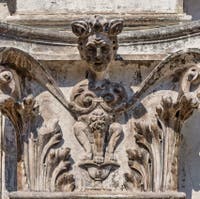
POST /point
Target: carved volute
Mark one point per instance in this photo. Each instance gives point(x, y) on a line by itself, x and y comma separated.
point(97, 133)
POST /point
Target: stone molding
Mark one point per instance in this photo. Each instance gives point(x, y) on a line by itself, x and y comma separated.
point(150, 195)
point(134, 20)
point(134, 45)
point(60, 38)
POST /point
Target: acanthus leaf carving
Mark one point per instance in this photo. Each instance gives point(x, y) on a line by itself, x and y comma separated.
point(52, 161)
point(96, 103)
point(145, 161)
point(156, 156)
point(44, 164)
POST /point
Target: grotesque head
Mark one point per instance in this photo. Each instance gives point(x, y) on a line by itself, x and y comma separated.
point(97, 41)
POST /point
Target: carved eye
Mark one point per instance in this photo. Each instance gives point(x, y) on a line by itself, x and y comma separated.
point(105, 49)
point(91, 49)
point(108, 98)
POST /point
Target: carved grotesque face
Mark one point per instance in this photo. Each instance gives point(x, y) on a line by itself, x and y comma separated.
point(97, 52)
point(97, 41)
point(99, 120)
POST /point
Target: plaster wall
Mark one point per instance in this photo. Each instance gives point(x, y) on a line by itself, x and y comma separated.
point(116, 6)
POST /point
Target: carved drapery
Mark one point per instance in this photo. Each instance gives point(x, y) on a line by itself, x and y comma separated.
point(96, 105)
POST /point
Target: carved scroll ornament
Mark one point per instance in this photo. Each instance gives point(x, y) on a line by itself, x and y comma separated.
point(96, 103)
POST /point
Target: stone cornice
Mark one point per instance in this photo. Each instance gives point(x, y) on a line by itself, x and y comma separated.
point(52, 20)
point(162, 34)
point(46, 36)
point(35, 35)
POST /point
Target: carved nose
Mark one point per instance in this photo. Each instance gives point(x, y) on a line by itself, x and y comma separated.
point(98, 54)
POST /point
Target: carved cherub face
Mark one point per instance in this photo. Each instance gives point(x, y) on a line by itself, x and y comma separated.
point(97, 41)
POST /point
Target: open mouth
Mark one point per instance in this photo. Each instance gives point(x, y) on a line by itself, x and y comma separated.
point(99, 66)
point(98, 63)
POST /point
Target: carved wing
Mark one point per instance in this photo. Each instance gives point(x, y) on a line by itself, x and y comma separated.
point(14, 63)
point(179, 61)
point(24, 64)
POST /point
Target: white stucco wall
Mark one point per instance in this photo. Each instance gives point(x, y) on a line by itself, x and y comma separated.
point(124, 6)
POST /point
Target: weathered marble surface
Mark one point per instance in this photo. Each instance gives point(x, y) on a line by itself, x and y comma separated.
point(154, 44)
point(156, 98)
point(111, 6)
point(58, 14)
point(140, 52)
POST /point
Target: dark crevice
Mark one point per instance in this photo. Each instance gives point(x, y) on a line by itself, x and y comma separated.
point(12, 6)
